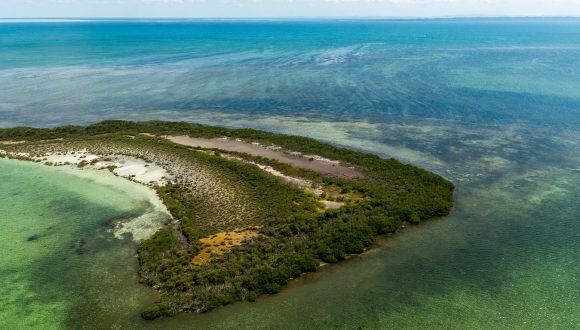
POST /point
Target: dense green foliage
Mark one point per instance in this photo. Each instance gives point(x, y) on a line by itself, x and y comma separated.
point(294, 236)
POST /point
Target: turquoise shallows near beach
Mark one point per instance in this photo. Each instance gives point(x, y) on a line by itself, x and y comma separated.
point(491, 104)
point(61, 265)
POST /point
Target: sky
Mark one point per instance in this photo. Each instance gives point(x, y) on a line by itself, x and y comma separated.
point(285, 8)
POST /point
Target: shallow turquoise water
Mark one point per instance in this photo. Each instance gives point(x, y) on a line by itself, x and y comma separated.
point(493, 105)
point(60, 264)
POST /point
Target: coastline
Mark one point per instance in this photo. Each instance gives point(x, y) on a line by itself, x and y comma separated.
point(491, 105)
point(265, 220)
point(139, 178)
point(69, 241)
point(138, 228)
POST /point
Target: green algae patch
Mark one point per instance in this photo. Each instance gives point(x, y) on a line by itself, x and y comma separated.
point(214, 191)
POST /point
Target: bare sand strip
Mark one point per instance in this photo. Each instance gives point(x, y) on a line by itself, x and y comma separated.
point(310, 162)
point(125, 166)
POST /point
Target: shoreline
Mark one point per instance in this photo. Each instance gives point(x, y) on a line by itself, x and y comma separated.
point(107, 178)
point(138, 171)
point(153, 176)
point(268, 209)
point(139, 228)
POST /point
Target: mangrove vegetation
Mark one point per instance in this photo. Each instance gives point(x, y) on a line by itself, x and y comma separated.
point(239, 231)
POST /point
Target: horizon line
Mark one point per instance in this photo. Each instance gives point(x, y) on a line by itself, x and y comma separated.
point(475, 16)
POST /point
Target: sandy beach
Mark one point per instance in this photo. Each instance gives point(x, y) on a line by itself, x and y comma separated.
point(125, 166)
point(145, 176)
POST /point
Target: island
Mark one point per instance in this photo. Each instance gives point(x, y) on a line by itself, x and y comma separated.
point(251, 210)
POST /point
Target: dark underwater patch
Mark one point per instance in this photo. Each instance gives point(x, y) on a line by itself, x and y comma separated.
point(79, 246)
point(33, 238)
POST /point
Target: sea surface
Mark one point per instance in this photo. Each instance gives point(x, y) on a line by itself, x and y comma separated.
point(491, 104)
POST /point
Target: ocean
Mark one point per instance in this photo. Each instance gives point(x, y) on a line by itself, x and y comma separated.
point(491, 104)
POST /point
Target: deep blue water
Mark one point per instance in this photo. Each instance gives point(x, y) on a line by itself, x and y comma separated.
point(467, 71)
point(494, 105)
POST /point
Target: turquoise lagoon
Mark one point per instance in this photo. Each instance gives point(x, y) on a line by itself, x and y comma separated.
point(61, 264)
point(491, 104)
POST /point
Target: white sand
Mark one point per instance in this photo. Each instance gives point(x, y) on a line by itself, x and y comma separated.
point(141, 171)
point(131, 168)
point(332, 205)
point(125, 166)
point(144, 226)
point(298, 182)
point(141, 227)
